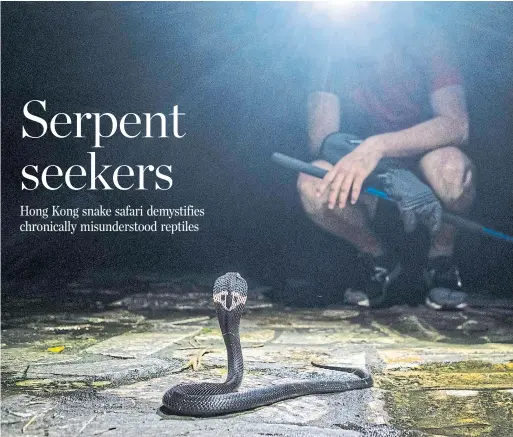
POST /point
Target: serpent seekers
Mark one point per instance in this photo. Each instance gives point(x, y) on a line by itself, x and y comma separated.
point(211, 399)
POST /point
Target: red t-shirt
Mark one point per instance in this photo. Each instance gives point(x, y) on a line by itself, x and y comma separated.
point(392, 94)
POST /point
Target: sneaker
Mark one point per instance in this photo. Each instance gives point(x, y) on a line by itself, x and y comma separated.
point(445, 289)
point(379, 274)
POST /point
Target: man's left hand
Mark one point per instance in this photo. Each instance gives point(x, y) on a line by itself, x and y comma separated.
point(347, 176)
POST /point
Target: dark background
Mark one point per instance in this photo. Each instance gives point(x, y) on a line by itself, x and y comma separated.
point(240, 71)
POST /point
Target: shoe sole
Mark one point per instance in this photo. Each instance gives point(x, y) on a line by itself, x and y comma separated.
point(437, 307)
point(364, 303)
point(356, 299)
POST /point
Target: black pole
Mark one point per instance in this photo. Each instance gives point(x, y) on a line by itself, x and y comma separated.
point(456, 220)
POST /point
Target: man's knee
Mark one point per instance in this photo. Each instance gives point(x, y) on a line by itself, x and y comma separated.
point(451, 175)
point(307, 187)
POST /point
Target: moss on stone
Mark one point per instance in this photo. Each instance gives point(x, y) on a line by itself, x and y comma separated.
point(421, 398)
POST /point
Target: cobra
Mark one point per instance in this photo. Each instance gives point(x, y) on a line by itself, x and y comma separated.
point(211, 399)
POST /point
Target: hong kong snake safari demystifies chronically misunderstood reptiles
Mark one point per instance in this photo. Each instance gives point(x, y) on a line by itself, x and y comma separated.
point(211, 399)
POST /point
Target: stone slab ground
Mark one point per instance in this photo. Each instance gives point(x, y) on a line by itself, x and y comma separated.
point(96, 362)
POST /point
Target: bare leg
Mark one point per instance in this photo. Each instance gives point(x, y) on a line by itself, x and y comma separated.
point(351, 223)
point(451, 175)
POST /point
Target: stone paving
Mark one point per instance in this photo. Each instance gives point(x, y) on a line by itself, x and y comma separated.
point(74, 370)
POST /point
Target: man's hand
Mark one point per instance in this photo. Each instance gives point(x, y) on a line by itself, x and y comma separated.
point(346, 178)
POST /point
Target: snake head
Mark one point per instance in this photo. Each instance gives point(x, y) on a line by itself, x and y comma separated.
point(230, 292)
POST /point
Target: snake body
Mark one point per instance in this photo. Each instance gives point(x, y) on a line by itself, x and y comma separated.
point(212, 399)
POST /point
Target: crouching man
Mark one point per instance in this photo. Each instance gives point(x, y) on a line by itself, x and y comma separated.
point(406, 100)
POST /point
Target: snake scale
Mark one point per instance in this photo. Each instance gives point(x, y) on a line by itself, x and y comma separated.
point(211, 399)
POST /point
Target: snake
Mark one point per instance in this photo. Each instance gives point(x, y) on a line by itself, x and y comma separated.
point(207, 399)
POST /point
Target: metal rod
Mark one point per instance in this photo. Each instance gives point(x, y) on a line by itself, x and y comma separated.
point(460, 222)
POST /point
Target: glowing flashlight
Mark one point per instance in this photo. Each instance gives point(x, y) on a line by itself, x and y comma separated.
point(339, 9)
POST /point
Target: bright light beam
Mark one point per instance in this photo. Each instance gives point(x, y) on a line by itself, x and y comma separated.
point(339, 10)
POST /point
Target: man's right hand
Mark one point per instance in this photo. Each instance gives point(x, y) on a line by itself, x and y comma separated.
point(347, 176)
